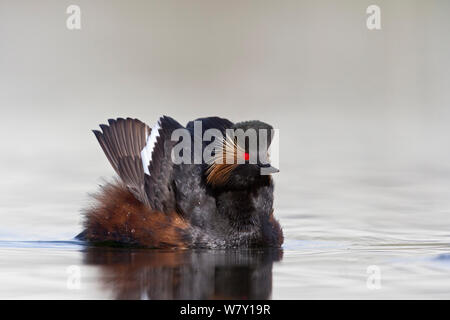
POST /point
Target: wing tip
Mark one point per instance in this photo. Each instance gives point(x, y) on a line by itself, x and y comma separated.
point(98, 134)
point(104, 127)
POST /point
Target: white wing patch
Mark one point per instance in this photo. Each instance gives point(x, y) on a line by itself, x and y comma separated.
point(146, 153)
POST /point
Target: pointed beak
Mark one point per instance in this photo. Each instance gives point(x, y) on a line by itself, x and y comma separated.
point(266, 170)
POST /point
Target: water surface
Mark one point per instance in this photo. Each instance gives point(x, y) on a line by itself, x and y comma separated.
point(339, 230)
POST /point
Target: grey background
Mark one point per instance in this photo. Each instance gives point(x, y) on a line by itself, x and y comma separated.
point(348, 101)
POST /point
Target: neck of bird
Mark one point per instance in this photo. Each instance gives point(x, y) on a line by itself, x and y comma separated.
point(238, 208)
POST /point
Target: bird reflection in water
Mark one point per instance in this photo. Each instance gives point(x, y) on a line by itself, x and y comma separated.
point(185, 274)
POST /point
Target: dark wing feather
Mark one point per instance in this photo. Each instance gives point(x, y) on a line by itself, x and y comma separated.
point(122, 142)
point(159, 184)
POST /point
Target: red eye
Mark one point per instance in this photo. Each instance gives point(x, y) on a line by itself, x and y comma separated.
point(246, 156)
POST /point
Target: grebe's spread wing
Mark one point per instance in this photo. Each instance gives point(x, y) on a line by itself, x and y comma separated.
point(122, 141)
point(158, 165)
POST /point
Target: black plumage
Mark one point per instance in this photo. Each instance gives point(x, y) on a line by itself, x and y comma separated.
point(180, 205)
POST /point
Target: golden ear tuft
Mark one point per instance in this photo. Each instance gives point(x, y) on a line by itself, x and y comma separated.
point(221, 166)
